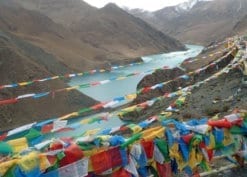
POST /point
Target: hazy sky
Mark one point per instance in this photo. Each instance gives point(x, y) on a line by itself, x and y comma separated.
point(150, 5)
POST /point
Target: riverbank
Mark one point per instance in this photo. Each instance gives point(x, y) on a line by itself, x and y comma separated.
point(197, 104)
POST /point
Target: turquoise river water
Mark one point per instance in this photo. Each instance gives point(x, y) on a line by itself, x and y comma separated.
point(122, 87)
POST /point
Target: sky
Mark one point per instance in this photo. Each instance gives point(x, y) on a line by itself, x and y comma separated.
point(150, 5)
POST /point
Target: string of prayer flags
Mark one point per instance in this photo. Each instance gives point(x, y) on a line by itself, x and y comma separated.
point(187, 151)
point(93, 71)
point(50, 127)
point(92, 84)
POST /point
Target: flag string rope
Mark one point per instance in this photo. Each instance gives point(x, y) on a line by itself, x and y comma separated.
point(97, 83)
point(94, 71)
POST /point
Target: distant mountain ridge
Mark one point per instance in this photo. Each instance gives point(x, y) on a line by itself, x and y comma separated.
point(203, 22)
point(65, 12)
point(188, 5)
point(102, 35)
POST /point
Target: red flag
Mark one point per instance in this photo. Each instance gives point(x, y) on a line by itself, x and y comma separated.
point(121, 173)
point(222, 123)
point(116, 158)
point(9, 101)
point(187, 138)
point(3, 136)
point(101, 162)
point(164, 170)
point(97, 106)
point(149, 148)
point(47, 128)
point(72, 154)
point(146, 89)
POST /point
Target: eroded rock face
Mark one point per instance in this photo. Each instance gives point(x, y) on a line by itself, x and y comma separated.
point(159, 76)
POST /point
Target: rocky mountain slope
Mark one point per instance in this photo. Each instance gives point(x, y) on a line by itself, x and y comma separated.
point(93, 37)
point(204, 22)
point(22, 61)
point(241, 26)
point(51, 37)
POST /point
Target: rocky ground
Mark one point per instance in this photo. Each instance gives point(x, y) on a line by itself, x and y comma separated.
point(226, 91)
point(219, 96)
point(238, 172)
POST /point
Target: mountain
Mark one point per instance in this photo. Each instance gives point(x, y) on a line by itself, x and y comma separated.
point(22, 61)
point(60, 11)
point(99, 36)
point(51, 37)
point(25, 38)
point(241, 26)
point(188, 5)
point(112, 26)
point(55, 37)
point(198, 21)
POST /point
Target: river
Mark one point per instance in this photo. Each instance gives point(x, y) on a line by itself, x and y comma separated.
point(122, 87)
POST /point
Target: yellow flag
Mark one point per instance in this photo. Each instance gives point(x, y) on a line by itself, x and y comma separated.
point(29, 162)
point(102, 70)
point(192, 159)
point(121, 78)
point(104, 137)
point(173, 151)
point(91, 132)
point(195, 158)
point(72, 88)
point(167, 114)
point(73, 114)
point(182, 99)
point(5, 166)
point(55, 77)
point(227, 138)
point(129, 109)
point(150, 130)
point(211, 141)
point(85, 121)
point(135, 128)
point(179, 92)
point(155, 133)
point(18, 145)
point(23, 83)
point(130, 96)
point(180, 161)
point(44, 162)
